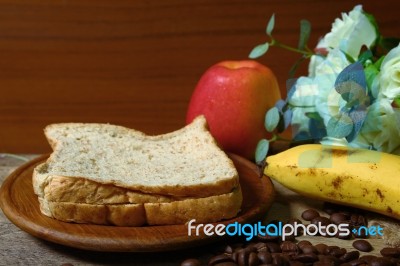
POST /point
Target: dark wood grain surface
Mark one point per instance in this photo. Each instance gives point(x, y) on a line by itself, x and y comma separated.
point(135, 63)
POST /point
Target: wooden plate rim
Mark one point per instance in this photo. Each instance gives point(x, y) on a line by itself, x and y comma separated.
point(89, 240)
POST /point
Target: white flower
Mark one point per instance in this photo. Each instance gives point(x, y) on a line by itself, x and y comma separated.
point(334, 141)
point(302, 101)
point(329, 102)
point(348, 34)
point(389, 77)
point(332, 64)
point(318, 93)
point(381, 127)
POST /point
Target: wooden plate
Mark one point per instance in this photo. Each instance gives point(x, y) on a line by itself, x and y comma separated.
point(21, 206)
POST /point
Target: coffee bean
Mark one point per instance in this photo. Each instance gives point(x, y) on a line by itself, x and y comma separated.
point(295, 263)
point(309, 214)
point(277, 259)
point(228, 250)
point(394, 260)
point(260, 246)
point(338, 217)
point(332, 260)
point(362, 245)
point(273, 247)
point(264, 257)
point(251, 248)
point(381, 262)
point(357, 262)
point(228, 263)
point(243, 257)
point(338, 252)
point(267, 238)
point(321, 220)
point(358, 220)
point(219, 259)
point(329, 249)
point(322, 263)
point(349, 256)
point(321, 248)
point(191, 262)
point(253, 259)
point(269, 251)
point(306, 258)
point(309, 249)
point(368, 258)
point(304, 243)
point(288, 247)
point(390, 252)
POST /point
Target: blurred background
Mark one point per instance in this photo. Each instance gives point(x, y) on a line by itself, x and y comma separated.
point(136, 63)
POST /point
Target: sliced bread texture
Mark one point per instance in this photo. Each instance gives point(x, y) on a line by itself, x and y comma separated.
point(204, 210)
point(107, 174)
point(183, 163)
point(81, 190)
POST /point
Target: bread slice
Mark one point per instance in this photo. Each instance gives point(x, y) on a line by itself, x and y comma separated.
point(184, 163)
point(119, 214)
point(81, 190)
point(204, 210)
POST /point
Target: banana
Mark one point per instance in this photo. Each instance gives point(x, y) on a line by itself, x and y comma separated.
point(356, 177)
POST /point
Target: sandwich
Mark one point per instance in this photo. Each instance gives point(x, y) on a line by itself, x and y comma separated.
point(108, 174)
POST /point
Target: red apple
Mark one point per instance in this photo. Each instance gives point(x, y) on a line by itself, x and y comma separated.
point(234, 97)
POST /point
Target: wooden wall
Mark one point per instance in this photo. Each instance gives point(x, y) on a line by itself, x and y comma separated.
point(135, 63)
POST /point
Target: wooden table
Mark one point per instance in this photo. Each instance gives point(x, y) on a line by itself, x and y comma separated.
point(18, 247)
point(136, 63)
point(133, 63)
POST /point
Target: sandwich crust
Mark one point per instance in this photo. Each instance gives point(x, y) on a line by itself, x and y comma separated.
point(204, 210)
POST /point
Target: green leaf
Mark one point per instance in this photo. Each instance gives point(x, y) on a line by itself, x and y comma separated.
point(339, 126)
point(370, 73)
point(261, 151)
point(396, 102)
point(348, 57)
point(287, 117)
point(295, 66)
point(259, 50)
point(270, 25)
point(379, 62)
point(305, 29)
point(271, 119)
point(314, 115)
point(364, 56)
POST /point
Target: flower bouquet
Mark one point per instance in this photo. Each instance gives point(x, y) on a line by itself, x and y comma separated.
point(351, 95)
